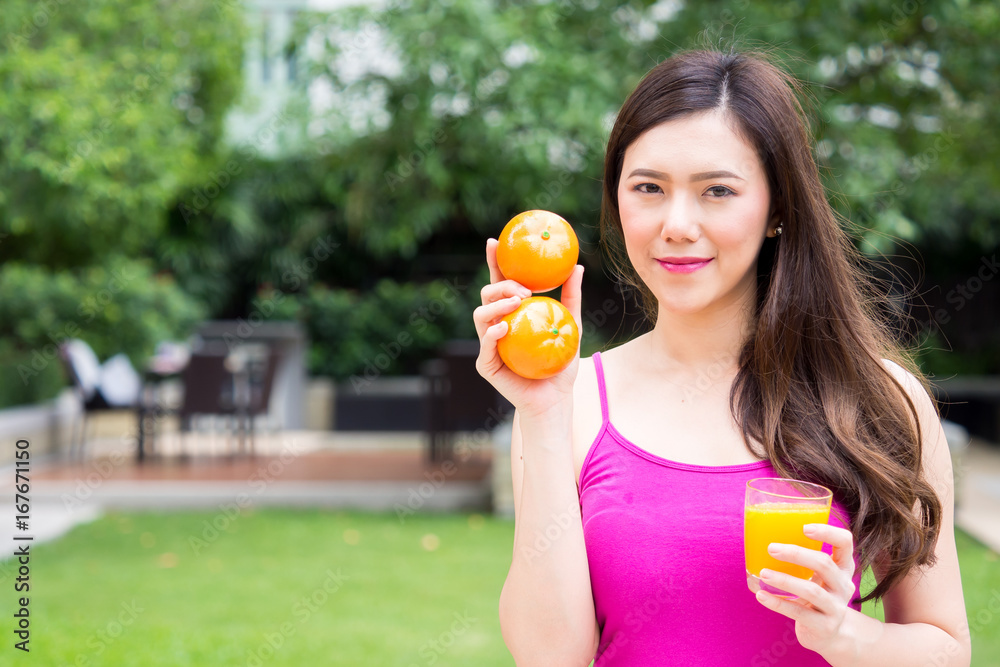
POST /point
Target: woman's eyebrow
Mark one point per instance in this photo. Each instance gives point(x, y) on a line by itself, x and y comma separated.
point(702, 176)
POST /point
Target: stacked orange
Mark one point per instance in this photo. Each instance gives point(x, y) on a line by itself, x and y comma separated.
point(539, 250)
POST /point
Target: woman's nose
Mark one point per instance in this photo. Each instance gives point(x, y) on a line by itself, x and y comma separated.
point(680, 220)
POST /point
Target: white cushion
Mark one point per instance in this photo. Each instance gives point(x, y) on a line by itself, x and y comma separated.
point(85, 365)
point(120, 383)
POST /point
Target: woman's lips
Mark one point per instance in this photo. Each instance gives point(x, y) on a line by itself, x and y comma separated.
point(684, 264)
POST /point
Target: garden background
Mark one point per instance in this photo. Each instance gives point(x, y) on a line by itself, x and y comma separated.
point(342, 165)
point(413, 132)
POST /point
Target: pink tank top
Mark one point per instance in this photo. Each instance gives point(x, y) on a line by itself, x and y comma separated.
point(665, 547)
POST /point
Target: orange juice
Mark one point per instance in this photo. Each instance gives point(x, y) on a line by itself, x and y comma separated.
point(765, 523)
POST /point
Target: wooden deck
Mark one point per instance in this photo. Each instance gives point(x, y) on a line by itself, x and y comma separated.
point(361, 470)
point(297, 455)
point(319, 465)
point(381, 472)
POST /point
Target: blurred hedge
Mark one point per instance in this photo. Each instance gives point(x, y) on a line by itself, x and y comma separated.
point(357, 337)
point(120, 306)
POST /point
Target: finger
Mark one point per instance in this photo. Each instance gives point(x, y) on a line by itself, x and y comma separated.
point(807, 590)
point(572, 294)
point(487, 315)
point(489, 362)
point(491, 260)
point(817, 561)
point(502, 290)
point(840, 586)
point(793, 609)
point(841, 539)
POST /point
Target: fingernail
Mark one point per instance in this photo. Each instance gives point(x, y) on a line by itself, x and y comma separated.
point(773, 549)
point(764, 574)
point(525, 293)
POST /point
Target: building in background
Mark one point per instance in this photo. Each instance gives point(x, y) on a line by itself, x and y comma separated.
point(275, 76)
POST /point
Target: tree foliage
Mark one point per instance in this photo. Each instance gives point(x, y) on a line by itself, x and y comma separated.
point(116, 306)
point(109, 110)
point(484, 104)
point(441, 120)
point(445, 119)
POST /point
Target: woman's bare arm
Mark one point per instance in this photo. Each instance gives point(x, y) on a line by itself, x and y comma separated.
point(925, 617)
point(547, 607)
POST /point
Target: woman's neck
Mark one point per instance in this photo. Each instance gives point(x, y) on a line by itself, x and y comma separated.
point(707, 341)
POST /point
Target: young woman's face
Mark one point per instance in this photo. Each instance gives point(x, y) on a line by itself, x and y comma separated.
point(694, 204)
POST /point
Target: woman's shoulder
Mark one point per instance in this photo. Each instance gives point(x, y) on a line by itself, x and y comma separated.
point(586, 390)
point(915, 387)
point(586, 379)
point(587, 415)
point(928, 418)
point(586, 396)
point(617, 354)
point(899, 372)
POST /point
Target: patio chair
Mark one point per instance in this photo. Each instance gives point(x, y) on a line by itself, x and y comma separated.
point(260, 383)
point(218, 381)
point(459, 399)
point(111, 386)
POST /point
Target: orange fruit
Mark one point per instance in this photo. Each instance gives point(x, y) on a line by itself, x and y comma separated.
point(538, 249)
point(541, 339)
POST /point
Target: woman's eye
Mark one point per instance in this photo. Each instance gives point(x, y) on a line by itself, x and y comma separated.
point(647, 188)
point(720, 191)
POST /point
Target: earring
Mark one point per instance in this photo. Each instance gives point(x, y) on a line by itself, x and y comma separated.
point(777, 230)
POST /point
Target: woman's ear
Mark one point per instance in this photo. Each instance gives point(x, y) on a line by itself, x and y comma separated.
point(773, 222)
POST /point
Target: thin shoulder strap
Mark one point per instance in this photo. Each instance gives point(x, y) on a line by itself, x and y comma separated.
point(601, 389)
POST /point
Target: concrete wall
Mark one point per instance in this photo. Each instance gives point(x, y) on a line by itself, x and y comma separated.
point(320, 402)
point(47, 427)
point(50, 427)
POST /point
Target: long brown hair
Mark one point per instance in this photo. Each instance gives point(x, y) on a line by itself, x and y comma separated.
point(812, 386)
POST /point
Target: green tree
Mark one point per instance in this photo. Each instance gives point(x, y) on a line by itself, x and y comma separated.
point(488, 102)
point(445, 119)
point(110, 110)
point(448, 118)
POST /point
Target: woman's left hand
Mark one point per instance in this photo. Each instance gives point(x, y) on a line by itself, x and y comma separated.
point(822, 607)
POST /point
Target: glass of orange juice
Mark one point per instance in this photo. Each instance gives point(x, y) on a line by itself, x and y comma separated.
point(775, 510)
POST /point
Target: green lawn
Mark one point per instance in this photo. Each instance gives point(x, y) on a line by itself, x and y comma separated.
point(981, 587)
point(322, 588)
point(419, 593)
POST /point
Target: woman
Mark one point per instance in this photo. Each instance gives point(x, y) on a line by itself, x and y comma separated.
point(764, 360)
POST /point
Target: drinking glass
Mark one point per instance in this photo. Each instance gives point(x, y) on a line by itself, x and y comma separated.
point(775, 510)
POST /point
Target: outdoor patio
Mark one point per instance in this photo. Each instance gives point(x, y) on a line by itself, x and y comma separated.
point(376, 471)
point(368, 470)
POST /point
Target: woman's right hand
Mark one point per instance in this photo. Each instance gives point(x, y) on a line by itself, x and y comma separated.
point(503, 296)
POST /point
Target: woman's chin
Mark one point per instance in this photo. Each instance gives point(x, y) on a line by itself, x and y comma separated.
point(682, 307)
